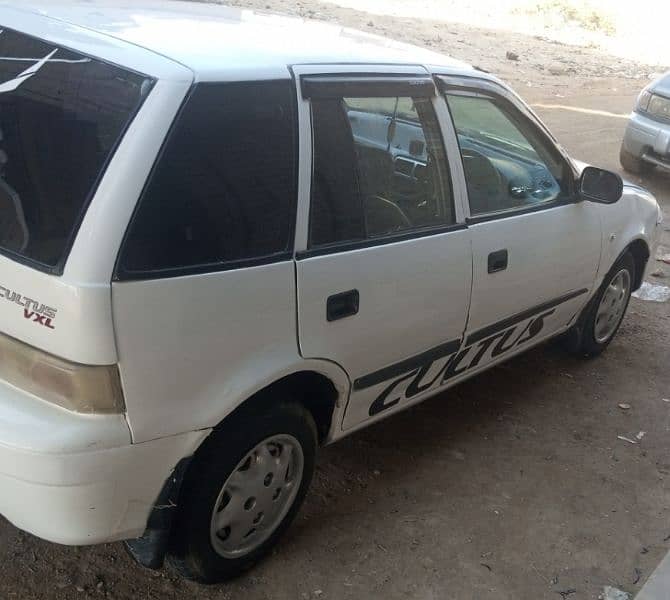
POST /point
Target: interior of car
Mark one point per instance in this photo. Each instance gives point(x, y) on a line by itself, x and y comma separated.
point(503, 169)
point(386, 178)
point(400, 182)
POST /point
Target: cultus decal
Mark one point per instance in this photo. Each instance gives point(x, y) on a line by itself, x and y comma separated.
point(36, 311)
point(438, 371)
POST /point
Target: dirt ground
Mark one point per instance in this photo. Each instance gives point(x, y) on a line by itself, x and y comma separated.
point(510, 486)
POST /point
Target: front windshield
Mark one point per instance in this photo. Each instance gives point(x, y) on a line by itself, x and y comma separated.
point(61, 115)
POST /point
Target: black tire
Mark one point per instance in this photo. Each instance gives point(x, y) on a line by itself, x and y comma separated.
point(633, 164)
point(191, 551)
point(587, 344)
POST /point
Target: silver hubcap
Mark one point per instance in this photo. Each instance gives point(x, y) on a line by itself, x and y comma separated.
point(612, 305)
point(256, 496)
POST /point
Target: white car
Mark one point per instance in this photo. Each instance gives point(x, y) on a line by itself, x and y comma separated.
point(228, 238)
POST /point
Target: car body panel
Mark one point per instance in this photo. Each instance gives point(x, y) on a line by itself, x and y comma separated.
point(403, 289)
point(209, 362)
point(222, 352)
point(447, 367)
point(551, 253)
point(70, 320)
point(97, 485)
point(636, 216)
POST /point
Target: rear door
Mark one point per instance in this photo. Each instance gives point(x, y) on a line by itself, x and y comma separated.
point(535, 248)
point(384, 260)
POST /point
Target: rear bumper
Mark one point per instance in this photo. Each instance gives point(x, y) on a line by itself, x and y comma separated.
point(648, 139)
point(77, 479)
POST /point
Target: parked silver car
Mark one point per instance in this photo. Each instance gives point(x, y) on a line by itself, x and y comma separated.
point(646, 142)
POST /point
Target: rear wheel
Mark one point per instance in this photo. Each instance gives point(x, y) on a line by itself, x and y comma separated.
point(633, 164)
point(607, 309)
point(243, 489)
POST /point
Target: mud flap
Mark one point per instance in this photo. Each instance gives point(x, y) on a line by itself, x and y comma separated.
point(150, 549)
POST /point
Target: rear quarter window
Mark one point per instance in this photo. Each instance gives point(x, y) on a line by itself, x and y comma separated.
point(61, 116)
point(223, 191)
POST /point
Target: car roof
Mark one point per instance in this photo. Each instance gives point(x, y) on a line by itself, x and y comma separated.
point(218, 42)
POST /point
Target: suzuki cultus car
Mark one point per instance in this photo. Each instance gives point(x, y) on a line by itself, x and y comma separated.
point(228, 238)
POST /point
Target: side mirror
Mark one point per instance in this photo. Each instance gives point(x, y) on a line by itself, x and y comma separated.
point(599, 185)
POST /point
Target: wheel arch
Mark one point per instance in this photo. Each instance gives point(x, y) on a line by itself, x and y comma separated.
point(640, 252)
point(321, 387)
point(320, 393)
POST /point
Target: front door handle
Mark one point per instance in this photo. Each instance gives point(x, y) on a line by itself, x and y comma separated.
point(344, 304)
point(497, 261)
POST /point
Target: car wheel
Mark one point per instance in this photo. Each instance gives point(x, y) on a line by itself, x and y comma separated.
point(607, 309)
point(242, 490)
point(633, 164)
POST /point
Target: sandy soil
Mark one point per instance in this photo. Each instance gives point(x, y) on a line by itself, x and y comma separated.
point(511, 486)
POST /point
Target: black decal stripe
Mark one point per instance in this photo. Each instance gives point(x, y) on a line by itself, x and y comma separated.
point(522, 316)
point(407, 365)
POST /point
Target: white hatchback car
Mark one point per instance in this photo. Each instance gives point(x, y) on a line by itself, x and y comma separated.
point(228, 238)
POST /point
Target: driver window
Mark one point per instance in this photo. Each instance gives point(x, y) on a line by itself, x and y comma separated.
point(379, 169)
point(506, 165)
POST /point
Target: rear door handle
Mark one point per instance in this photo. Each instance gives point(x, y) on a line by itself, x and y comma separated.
point(344, 304)
point(497, 261)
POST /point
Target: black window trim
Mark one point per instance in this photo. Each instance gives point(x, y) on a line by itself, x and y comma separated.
point(206, 268)
point(121, 274)
point(479, 87)
point(365, 85)
point(382, 240)
point(516, 212)
point(59, 267)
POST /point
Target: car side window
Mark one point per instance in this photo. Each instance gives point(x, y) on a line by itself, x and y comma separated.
point(507, 166)
point(224, 188)
point(379, 168)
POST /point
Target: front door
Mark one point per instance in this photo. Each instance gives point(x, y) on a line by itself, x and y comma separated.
point(384, 278)
point(535, 250)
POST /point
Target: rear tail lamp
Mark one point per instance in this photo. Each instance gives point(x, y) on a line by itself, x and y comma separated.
point(76, 387)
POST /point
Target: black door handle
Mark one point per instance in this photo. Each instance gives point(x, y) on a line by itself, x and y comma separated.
point(497, 261)
point(342, 305)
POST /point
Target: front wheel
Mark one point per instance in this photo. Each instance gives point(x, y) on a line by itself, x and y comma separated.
point(243, 489)
point(606, 311)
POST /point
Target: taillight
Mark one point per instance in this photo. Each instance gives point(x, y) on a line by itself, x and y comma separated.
point(76, 387)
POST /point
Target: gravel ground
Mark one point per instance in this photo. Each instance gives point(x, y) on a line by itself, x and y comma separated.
point(512, 485)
